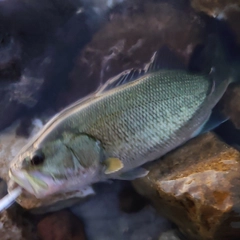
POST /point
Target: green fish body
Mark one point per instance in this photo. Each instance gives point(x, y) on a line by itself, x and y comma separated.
point(142, 120)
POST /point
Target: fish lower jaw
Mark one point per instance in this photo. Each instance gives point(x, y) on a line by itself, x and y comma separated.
point(32, 183)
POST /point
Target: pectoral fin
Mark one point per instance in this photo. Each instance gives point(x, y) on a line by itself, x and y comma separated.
point(133, 174)
point(86, 191)
point(113, 165)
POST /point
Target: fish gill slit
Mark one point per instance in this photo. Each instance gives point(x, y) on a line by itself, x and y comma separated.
point(89, 135)
point(76, 169)
point(93, 138)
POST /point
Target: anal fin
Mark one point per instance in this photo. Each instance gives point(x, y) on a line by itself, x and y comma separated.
point(133, 174)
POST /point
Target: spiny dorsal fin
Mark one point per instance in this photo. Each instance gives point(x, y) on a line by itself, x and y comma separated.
point(121, 79)
point(162, 59)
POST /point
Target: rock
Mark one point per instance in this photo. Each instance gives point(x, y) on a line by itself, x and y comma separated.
point(197, 187)
point(14, 224)
point(96, 11)
point(33, 36)
point(130, 201)
point(10, 72)
point(104, 220)
point(61, 225)
point(217, 8)
point(3, 188)
point(233, 17)
point(126, 41)
point(169, 235)
point(230, 104)
point(10, 144)
point(222, 9)
point(10, 57)
point(9, 228)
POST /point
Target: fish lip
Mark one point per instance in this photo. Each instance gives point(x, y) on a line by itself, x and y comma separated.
point(29, 182)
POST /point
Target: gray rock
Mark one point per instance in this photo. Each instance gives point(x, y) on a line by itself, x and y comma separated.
point(169, 235)
point(104, 220)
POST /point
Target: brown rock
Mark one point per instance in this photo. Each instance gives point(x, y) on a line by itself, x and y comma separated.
point(197, 187)
point(222, 9)
point(129, 40)
point(130, 201)
point(62, 225)
point(233, 18)
point(215, 8)
point(230, 104)
point(8, 228)
point(15, 225)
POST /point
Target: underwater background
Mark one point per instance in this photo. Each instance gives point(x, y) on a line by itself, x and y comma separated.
point(54, 52)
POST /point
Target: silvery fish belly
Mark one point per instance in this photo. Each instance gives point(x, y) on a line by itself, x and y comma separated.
point(109, 134)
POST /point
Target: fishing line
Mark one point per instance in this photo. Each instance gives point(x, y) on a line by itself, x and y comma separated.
point(10, 198)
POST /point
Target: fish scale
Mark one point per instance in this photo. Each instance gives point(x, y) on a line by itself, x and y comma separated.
point(133, 121)
point(135, 117)
point(146, 115)
point(112, 132)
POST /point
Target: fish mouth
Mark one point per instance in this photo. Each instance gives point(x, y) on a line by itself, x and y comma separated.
point(31, 182)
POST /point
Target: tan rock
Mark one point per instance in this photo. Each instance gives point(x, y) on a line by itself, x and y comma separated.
point(14, 225)
point(8, 228)
point(14, 222)
point(197, 187)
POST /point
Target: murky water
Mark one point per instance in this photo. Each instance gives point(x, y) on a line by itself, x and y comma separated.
point(53, 53)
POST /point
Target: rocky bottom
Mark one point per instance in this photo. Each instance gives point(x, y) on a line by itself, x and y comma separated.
point(115, 212)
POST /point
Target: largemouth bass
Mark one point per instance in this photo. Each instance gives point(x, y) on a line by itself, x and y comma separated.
point(110, 134)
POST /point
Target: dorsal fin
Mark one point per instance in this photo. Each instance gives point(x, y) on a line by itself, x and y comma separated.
point(121, 79)
point(162, 59)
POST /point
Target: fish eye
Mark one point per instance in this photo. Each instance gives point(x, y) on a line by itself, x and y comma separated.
point(37, 159)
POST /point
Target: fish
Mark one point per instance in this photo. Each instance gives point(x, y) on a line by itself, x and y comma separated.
point(133, 119)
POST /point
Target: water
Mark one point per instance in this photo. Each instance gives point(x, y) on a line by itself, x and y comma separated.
point(55, 52)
